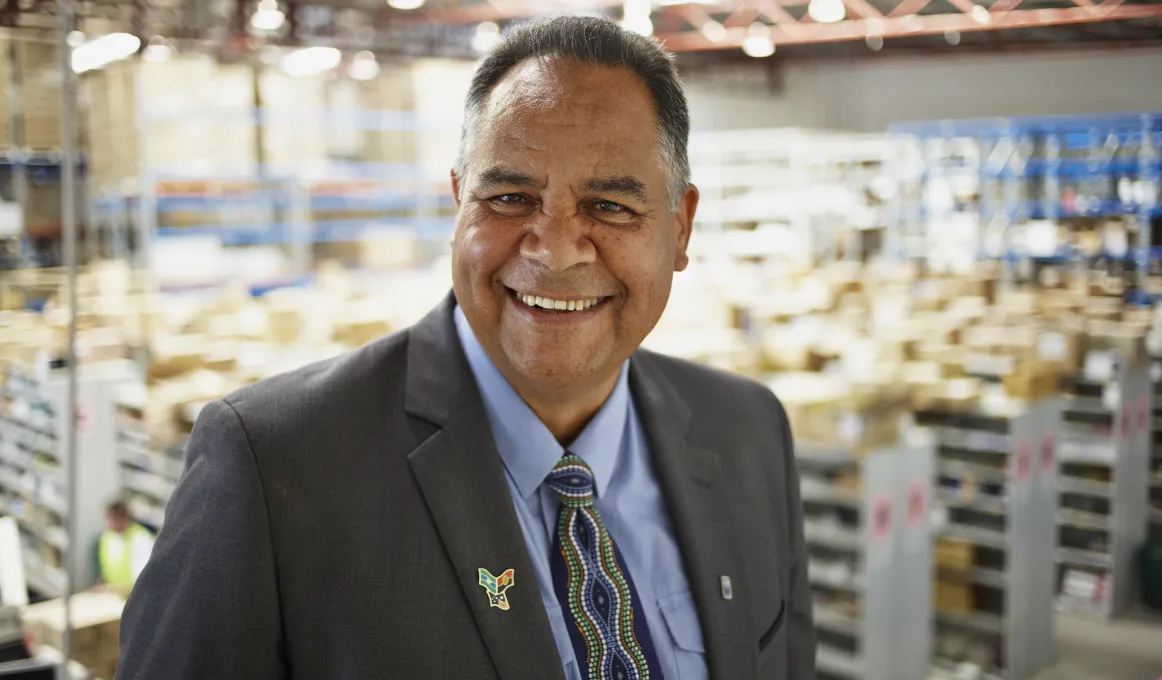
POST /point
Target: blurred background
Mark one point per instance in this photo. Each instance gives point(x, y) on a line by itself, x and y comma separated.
point(932, 226)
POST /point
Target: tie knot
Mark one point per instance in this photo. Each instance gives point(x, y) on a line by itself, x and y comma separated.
point(572, 481)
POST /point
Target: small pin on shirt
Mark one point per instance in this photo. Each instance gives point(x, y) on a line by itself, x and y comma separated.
point(727, 588)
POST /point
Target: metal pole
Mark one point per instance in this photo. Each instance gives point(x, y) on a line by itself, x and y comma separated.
point(19, 169)
point(69, 226)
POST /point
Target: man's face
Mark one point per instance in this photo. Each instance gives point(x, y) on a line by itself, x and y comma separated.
point(115, 522)
point(565, 200)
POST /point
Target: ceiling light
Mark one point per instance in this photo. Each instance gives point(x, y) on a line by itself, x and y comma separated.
point(980, 14)
point(487, 37)
point(639, 24)
point(714, 31)
point(952, 36)
point(311, 60)
point(875, 43)
point(635, 16)
point(157, 50)
point(75, 38)
point(405, 4)
point(364, 66)
point(758, 43)
point(267, 16)
point(826, 11)
point(100, 52)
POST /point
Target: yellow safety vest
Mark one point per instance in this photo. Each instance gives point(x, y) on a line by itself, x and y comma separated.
point(116, 555)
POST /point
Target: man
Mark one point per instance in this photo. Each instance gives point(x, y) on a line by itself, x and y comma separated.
point(123, 549)
point(510, 489)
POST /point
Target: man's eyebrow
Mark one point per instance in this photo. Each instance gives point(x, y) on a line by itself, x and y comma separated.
point(625, 185)
point(498, 176)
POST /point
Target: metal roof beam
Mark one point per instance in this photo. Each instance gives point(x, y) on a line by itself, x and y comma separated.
point(904, 26)
point(908, 8)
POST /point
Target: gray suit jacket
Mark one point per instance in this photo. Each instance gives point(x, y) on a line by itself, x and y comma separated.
point(330, 523)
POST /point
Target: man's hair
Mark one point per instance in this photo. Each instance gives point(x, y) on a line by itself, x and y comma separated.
point(599, 42)
point(118, 509)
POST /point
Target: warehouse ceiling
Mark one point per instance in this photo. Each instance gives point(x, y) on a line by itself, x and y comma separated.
point(704, 34)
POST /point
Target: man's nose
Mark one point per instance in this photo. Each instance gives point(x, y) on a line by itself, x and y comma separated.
point(558, 239)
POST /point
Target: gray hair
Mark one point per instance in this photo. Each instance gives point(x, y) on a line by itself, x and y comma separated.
point(600, 42)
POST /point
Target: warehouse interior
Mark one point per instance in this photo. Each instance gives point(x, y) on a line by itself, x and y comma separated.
point(932, 227)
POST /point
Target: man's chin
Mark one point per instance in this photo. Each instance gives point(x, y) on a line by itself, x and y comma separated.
point(553, 369)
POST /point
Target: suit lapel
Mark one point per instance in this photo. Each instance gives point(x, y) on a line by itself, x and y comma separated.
point(463, 482)
point(698, 503)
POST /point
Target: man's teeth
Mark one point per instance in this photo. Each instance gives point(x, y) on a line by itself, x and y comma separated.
point(559, 305)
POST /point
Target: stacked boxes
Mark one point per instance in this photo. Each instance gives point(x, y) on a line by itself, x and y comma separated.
point(33, 66)
point(189, 110)
point(96, 619)
point(954, 560)
point(39, 68)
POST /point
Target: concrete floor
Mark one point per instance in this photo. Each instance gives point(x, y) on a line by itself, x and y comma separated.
point(1128, 648)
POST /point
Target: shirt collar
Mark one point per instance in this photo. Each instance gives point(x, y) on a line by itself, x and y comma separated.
point(527, 448)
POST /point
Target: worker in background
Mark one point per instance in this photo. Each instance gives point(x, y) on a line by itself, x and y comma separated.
point(123, 550)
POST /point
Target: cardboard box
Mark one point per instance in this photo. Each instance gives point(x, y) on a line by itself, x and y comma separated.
point(958, 395)
point(954, 553)
point(831, 411)
point(1125, 339)
point(953, 597)
point(1032, 382)
point(96, 629)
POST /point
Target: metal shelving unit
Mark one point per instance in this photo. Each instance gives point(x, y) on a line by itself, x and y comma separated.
point(996, 482)
point(786, 193)
point(1104, 490)
point(303, 176)
point(977, 180)
point(1155, 499)
point(33, 458)
point(870, 557)
point(147, 475)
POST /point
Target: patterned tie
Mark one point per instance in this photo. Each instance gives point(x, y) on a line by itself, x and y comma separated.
point(601, 607)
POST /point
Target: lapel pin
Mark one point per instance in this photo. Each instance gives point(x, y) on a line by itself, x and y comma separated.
point(727, 588)
point(496, 586)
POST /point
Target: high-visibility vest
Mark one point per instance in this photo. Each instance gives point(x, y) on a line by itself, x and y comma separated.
point(116, 555)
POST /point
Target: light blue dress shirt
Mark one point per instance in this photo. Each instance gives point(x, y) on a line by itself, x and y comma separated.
point(629, 500)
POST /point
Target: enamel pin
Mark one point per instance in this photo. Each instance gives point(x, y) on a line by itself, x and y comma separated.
point(496, 587)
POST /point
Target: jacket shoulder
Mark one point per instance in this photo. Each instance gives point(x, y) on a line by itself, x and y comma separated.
point(331, 384)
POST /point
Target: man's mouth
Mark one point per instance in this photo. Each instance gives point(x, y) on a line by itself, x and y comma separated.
point(555, 304)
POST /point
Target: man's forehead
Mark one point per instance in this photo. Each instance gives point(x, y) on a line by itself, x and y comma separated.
point(554, 84)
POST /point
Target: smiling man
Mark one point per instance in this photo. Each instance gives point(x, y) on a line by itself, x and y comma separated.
point(510, 489)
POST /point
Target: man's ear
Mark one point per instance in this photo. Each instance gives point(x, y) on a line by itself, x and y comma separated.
point(456, 187)
point(684, 221)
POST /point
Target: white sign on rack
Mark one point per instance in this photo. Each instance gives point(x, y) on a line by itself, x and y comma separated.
point(13, 589)
point(11, 219)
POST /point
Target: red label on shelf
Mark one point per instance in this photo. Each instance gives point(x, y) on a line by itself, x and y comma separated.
point(84, 420)
point(917, 503)
point(1023, 456)
point(1047, 453)
point(882, 518)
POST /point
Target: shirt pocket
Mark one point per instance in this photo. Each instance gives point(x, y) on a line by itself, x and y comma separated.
point(564, 642)
point(685, 635)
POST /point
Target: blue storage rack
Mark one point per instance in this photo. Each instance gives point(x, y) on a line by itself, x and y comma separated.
point(1043, 164)
point(281, 212)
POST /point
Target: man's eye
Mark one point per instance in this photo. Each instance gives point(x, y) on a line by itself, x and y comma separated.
point(509, 199)
point(609, 207)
